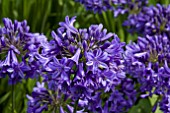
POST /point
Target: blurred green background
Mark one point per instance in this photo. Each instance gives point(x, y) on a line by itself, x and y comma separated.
point(43, 16)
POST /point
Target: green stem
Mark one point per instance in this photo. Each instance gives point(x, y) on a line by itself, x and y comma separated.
point(55, 110)
point(13, 96)
point(75, 106)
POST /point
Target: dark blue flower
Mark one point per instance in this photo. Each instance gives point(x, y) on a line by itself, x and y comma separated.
point(43, 99)
point(97, 6)
point(58, 73)
point(96, 59)
point(16, 44)
point(39, 100)
point(82, 61)
point(116, 100)
point(148, 62)
point(60, 68)
point(128, 6)
point(150, 20)
point(165, 103)
point(117, 6)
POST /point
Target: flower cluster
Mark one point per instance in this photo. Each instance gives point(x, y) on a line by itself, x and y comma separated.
point(17, 45)
point(85, 64)
point(39, 100)
point(128, 6)
point(117, 6)
point(148, 62)
point(86, 67)
point(117, 100)
point(97, 6)
point(150, 20)
point(84, 51)
point(42, 100)
point(87, 70)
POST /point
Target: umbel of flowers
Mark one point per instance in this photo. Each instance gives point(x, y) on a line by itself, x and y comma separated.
point(17, 48)
point(117, 6)
point(148, 61)
point(150, 21)
point(83, 68)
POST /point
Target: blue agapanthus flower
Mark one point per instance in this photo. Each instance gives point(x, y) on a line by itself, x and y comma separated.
point(80, 47)
point(128, 6)
point(42, 99)
point(148, 62)
point(116, 101)
point(150, 20)
point(96, 60)
point(96, 5)
point(84, 62)
point(16, 46)
point(59, 72)
point(117, 6)
point(39, 100)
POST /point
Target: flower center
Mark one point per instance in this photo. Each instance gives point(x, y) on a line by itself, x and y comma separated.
point(153, 56)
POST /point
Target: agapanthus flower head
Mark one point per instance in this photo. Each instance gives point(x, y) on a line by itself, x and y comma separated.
point(128, 6)
point(148, 62)
point(85, 48)
point(39, 100)
point(97, 6)
point(15, 46)
point(83, 62)
point(43, 99)
point(150, 20)
point(117, 6)
point(117, 101)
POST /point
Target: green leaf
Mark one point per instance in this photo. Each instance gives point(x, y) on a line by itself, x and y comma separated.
point(154, 99)
point(5, 97)
point(105, 19)
point(143, 106)
point(153, 2)
point(167, 2)
point(158, 110)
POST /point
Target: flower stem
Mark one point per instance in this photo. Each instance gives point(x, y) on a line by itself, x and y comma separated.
point(75, 105)
point(13, 96)
point(55, 110)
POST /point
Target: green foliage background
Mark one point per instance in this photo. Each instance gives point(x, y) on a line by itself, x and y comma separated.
point(43, 16)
